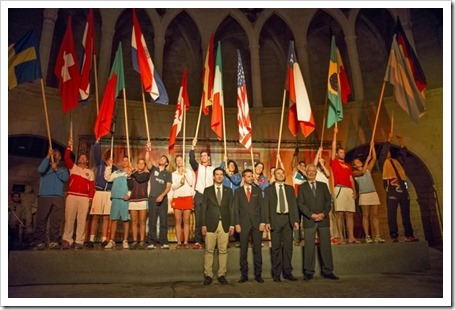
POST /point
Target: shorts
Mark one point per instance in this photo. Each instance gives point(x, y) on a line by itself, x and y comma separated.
point(138, 205)
point(344, 201)
point(101, 204)
point(369, 199)
point(183, 203)
point(119, 210)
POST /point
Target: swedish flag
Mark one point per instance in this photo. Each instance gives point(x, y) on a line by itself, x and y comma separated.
point(23, 60)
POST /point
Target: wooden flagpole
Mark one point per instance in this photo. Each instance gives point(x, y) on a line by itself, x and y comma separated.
point(96, 85)
point(71, 126)
point(46, 116)
point(198, 121)
point(252, 156)
point(324, 120)
point(224, 125)
point(145, 115)
point(126, 125)
point(281, 125)
point(377, 112)
point(184, 131)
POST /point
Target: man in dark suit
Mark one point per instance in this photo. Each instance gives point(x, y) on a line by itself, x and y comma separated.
point(249, 220)
point(281, 217)
point(315, 201)
point(217, 225)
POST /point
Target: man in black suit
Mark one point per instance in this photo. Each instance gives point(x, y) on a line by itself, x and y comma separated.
point(315, 201)
point(217, 225)
point(249, 220)
point(281, 217)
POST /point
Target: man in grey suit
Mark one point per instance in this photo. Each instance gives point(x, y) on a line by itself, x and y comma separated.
point(281, 217)
point(249, 220)
point(315, 201)
point(217, 225)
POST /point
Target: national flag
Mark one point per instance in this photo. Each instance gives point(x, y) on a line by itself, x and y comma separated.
point(207, 78)
point(143, 64)
point(300, 113)
point(114, 85)
point(23, 60)
point(344, 81)
point(218, 98)
point(406, 90)
point(182, 101)
point(88, 44)
point(67, 70)
point(243, 109)
point(335, 108)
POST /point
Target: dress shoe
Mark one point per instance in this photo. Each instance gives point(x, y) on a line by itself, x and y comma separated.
point(276, 280)
point(330, 276)
point(207, 280)
point(259, 279)
point(222, 280)
point(290, 277)
point(307, 276)
point(243, 279)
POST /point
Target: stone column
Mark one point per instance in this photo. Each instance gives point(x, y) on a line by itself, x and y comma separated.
point(107, 31)
point(47, 34)
point(159, 52)
point(355, 67)
point(256, 75)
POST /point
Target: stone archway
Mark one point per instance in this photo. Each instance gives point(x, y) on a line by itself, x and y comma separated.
point(421, 190)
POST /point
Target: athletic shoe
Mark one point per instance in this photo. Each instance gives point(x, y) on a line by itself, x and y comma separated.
point(411, 239)
point(134, 245)
point(54, 245)
point(125, 245)
point(110, 245)
point(368, 239)
point(104, 243)
point(66, 245)
point(142, 245)
point(378, 239)
point(78, 246)
point(197, 246)
point(165, 247)
point(90, 244)
point(151, 247)
point(39, 247)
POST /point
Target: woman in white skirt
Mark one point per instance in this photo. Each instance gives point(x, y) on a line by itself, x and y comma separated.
point(138, 203)
point(182, 200)
point(368, 197)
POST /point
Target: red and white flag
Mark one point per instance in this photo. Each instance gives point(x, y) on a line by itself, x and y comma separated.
point(89, 50)
point(182, 101)
point(67, 71)
point(243, 109)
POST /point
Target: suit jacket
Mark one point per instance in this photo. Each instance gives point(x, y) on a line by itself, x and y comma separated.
point(211, 210)
point(271, 203)
point(248, 214)
point(310, 204)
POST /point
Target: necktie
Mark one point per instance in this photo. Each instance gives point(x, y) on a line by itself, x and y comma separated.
point(248, 193)
point(281, 199)
point(218, 195)
point(313, 188)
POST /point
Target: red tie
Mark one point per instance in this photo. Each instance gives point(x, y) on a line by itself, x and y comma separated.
point(248, 193)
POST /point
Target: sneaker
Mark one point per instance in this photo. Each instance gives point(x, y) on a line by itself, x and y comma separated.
point(296, 243)
point(395, 239)
point(134, 245)
point(142, 245)
point(151, 247)
point(411, 239)
point(378, 239)
point(66, 245)
point(368, 239)
point(78, 246)
point(237, 244)
point(262, 245)
point(90, 244)
point(165, 247)
point(125, 245)
point(39, 247)
point(197, 246)
point(54, 245)
point(110, 245)
point(104, 243)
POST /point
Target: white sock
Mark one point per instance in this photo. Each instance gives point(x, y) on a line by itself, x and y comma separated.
point(92, 238)
point(103, 239)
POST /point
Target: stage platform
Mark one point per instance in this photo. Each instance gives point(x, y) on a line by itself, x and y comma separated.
point(97, 265)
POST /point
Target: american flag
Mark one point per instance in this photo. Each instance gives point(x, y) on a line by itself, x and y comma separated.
point(243, 114)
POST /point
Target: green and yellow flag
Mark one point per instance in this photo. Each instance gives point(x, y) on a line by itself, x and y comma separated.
point(335, 109)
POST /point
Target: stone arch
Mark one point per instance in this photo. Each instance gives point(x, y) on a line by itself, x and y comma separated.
point(422, 193)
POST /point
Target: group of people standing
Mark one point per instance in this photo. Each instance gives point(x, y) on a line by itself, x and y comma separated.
point(224, 202)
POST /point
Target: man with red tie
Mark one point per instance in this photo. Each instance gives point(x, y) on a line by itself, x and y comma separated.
point(249, 220)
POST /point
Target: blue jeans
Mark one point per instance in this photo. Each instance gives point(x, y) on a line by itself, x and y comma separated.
point(157, 210)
